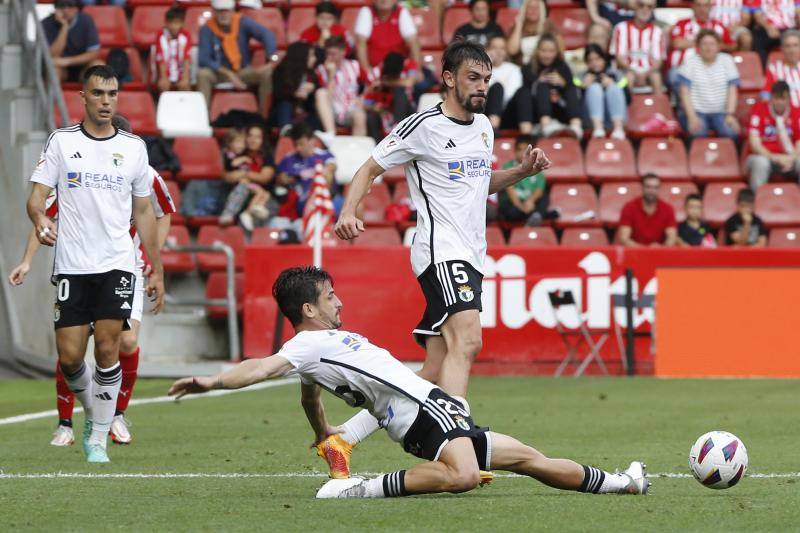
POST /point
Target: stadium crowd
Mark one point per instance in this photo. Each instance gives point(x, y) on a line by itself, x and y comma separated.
point(656, 129)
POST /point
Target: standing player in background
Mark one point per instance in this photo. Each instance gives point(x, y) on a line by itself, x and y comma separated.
point(101, 176)
point(447, 153)
point(129, 341)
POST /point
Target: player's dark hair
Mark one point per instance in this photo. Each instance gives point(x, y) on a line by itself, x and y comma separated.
point(650, 176)
point(393, 64)
point(693, 196)
point(526, 139)
point(121, 123)
point(104, 72)
point(300, 130)
point(327, 7)
point(745, 195)
point(175, 13)
point(461, 51)
point(297, 286)
point(780, 88)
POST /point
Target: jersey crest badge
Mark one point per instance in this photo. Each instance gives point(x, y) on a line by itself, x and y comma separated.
point(485, 139)
point(461, 422)
point(466, 293)
point(117, 159)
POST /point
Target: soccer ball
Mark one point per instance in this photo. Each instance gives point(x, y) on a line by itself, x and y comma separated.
point(718, 460)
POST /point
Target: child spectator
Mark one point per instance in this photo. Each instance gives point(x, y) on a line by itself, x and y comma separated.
point(508, 103)
point(604, 96)
point(526, 199)
point(481, 28)
point(388, 98)
point(694, 231)
point(342, 77)
point(639, 48)
point(648, 220)
point(172, 57)
point(238, 171)
point(745, 228)
point(326, 25)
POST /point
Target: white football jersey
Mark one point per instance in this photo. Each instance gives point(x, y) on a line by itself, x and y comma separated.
point(362, 374)
point(448, 165)
point(94, 180)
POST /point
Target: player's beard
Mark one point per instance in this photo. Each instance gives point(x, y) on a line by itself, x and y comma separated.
point(467, 103)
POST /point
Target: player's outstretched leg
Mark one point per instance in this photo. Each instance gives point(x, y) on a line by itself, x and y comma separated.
point(511, 455)
point(65, 404)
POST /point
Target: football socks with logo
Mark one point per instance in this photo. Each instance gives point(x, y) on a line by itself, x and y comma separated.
point(130, 365)
point(386, 486)
point(599, 482)
point(106, 389)
point(65, 400)
point(359, 427)
point(80, 383)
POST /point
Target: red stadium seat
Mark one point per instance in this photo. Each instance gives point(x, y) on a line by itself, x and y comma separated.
point(743, 106)
point(719, 202)
point(665, 158)
point(454, 17)
point(200, 157)
point(375, 204)
point(432, 59)
point(610, 160)
point(138, 107)
point(233, 236)
point(540, 236)
point(146, 24)
point(300, 18)
point(577, 203)
point(222, 102)
point(713, 160)
point(572, 23)
point(503, 152)
point(675, 195)
point(265, 237)
point(75, 108)
point(112, 27)
point(427, 24)
point(196, 16)
point(584, 237)
point(567, 158)
point(272, 19)
point(135, 69)
point(175, 193)
point(613, 196)
point(505, 18)
point(138, 4)
point(778, 204)
point(651, 115)
point(784, 238)
point(378, 237)
point(177, 262)
point(750, 71)
point(217, 287)
point(494, 236)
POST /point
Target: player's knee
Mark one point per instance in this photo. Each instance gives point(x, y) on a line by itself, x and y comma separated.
point(465, 479)
point(128, 344)
point(469, 346)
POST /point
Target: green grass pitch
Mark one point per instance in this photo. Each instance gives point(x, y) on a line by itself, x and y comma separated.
point(604, 422)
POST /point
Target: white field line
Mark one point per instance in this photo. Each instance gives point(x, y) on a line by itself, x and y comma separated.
point(158, 399)
point(234, 475)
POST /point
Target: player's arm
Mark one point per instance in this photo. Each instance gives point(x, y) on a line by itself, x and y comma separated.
point(17, 275)
point(315, 412)
point(244, 374)
point(533, 162)
point(348, 226)
point(44, 227)
point(145, 221)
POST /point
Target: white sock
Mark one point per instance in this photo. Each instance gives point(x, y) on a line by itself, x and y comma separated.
point(359, 427)
point(80, 383)
point(601, 482)
point(106, 390)
point(613, 483)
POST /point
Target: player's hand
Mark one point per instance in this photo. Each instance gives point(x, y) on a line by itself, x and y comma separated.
point(348, 227)
point(185, 386)
point(46, 231)
point(147, 270)
point(17, 275)
point(155, 290)
point(329, 430)
point(534, 161)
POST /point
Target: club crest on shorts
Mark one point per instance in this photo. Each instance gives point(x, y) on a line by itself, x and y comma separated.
point(117, 159)
point(466, 293)
point(56, 313)
point(124, 287)
point(461, 422)
point(485, 139)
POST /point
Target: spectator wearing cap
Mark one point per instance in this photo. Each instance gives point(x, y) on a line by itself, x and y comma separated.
point(326, 25)
point(481, 28)
point(774, 136)
point(224, 52)
point(648, 220)
point(72, 36)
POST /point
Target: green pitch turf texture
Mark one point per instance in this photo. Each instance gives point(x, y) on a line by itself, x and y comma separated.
point(603, 422)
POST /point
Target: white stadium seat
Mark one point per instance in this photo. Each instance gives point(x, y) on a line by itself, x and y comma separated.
point(183, 114)
point(350, 152)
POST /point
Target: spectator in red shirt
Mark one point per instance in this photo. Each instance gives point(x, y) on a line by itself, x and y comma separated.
point(172, 53)
point(639, 47)
point(388, 97)
point(770, 18)
point(774, 135)
point(385, 27)
point(648, 221)
point(326, 24)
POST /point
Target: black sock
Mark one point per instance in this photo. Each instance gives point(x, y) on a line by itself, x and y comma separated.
point(592, 479)
point(394, 484)
point(118, 412)
point(65, 422)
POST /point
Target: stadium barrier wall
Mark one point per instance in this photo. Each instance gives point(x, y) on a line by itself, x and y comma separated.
point(734, 322)
point(382, 299)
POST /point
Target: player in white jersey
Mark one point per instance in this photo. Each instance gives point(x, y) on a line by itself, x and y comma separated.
point(414, 412)
point(163, 207)
point(101, 178)
point(447, 155)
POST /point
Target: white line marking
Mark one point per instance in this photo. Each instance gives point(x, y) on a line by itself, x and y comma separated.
point(313, 474)
point(157, 399)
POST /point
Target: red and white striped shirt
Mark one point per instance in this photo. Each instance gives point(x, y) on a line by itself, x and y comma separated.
point(642, 46)
point(780, 71)
point(173, 52)
point(688, 29)
point(779, 13)
point(728, 12)
point(345, 87)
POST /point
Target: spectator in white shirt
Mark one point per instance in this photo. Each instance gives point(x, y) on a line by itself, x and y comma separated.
point(509, 102)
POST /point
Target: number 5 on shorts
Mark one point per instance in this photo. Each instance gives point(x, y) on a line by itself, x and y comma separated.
point(63, 290)
point(459, 275)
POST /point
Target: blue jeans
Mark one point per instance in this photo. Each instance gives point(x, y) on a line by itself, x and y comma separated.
point(605, 104)
point(710, 121)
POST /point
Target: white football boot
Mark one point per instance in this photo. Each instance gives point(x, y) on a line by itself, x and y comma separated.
point(637, 472)
point(119, 430)
point(63, 436)
point(352, 487)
